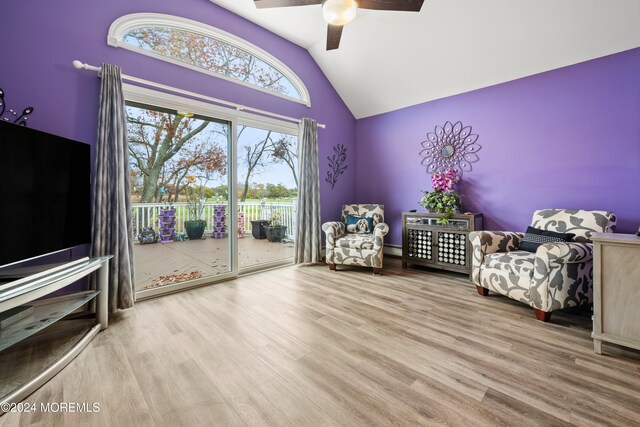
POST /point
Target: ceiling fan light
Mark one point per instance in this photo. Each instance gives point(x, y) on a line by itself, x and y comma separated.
point(339, 12)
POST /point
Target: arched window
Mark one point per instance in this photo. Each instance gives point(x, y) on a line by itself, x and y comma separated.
point(203, 48)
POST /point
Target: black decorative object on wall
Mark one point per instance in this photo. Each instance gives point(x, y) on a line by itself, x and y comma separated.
point(11, 115)
point(451, 146)
point(337, 164)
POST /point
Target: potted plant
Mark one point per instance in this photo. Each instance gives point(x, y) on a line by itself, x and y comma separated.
point(257, 228)
point(443, 199)
point(275, 231)
point(257, 225)
point(195, 225)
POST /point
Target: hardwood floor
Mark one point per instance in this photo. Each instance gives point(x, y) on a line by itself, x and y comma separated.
point(308, 346)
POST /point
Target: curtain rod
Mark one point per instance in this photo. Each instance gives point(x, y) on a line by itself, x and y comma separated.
point(82, 66)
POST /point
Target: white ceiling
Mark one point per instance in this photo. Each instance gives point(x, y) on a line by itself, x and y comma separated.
point(390, 60)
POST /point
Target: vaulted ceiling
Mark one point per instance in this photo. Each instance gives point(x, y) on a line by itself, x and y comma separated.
point(390, 60)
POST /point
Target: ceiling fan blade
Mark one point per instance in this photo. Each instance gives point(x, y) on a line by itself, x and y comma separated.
point(402, 5)
point(263, 4)
point(334, 32)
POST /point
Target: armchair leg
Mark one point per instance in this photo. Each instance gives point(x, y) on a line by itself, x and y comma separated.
point(482, 291)
point(377, 270)
point(332, 267)
point(543, 316)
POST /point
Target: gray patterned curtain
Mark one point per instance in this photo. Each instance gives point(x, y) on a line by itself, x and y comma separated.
point(308, 228)
point(112, 228)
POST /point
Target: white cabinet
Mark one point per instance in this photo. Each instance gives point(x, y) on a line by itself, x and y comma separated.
point(616, 290)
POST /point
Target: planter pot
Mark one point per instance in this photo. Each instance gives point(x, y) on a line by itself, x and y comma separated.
point(276, 233)
point(257, 228)
point(195, 229)
point(167, 224)
point(219, 222)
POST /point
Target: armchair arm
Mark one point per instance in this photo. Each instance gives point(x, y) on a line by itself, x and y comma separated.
point(566, 252)
point(562, 275)
point(381, 229)
point(487, 242)
point(495, 241)
point(333, 230)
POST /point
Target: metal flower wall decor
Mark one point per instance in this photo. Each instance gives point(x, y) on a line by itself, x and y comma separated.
point(12, 116)
point(337, 164)
point(451, 146)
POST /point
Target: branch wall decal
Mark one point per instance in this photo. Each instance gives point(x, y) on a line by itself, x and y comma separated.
point(337, 164)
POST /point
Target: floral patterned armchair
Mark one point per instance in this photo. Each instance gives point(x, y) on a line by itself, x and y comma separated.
point(556, 276)
point(363, 249)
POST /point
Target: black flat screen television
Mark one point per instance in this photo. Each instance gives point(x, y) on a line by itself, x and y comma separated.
point(44, 193)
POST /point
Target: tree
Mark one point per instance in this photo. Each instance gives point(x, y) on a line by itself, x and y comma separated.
point(277, 191)
point(285, 150)
point(165, 148)
point(253, 159)
point(208, 53)
point(221, 191)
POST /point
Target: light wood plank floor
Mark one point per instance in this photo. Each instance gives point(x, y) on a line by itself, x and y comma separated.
point(306, 346)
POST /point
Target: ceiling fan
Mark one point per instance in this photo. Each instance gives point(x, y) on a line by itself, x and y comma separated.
point(338, 13)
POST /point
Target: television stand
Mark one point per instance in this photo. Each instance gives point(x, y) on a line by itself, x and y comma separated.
point(15, 273)
point(47, 311)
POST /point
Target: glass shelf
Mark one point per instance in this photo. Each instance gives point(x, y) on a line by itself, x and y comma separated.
point(46, 312)
point(28, 358)
point(42, 284)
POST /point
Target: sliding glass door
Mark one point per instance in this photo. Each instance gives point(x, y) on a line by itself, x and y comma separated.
point(213, 190)
point(267, 192)
point(182, 196)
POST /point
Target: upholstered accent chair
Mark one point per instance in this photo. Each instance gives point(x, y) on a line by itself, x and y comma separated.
point(349, 248)
point(556, 276)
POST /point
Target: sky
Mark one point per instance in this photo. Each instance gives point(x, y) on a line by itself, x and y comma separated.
point(272, 173)
point(275, 173)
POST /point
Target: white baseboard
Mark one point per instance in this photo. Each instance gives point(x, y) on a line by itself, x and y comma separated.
point(393, 250)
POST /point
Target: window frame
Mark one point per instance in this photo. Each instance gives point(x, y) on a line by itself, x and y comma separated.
point(126, 23)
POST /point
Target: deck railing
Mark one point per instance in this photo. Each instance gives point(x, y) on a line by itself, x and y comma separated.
point(146, 214)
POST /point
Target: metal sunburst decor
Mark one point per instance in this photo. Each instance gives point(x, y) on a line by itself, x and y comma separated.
point(13, 115)
point(451, 146)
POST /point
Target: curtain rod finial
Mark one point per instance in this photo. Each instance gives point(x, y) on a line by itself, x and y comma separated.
point(79, 65)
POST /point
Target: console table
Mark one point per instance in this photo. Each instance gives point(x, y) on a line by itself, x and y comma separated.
point(443, 246)
point(616, 290)
point(33, 290)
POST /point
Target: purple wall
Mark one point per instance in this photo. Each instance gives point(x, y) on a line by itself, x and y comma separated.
point(568, 138)
point(565, 138)
point(41, 38)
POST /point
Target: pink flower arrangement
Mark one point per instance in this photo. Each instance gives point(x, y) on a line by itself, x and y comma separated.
point(445, 181)
point(443, 199)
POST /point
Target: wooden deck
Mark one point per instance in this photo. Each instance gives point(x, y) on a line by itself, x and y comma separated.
point(208, 256)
